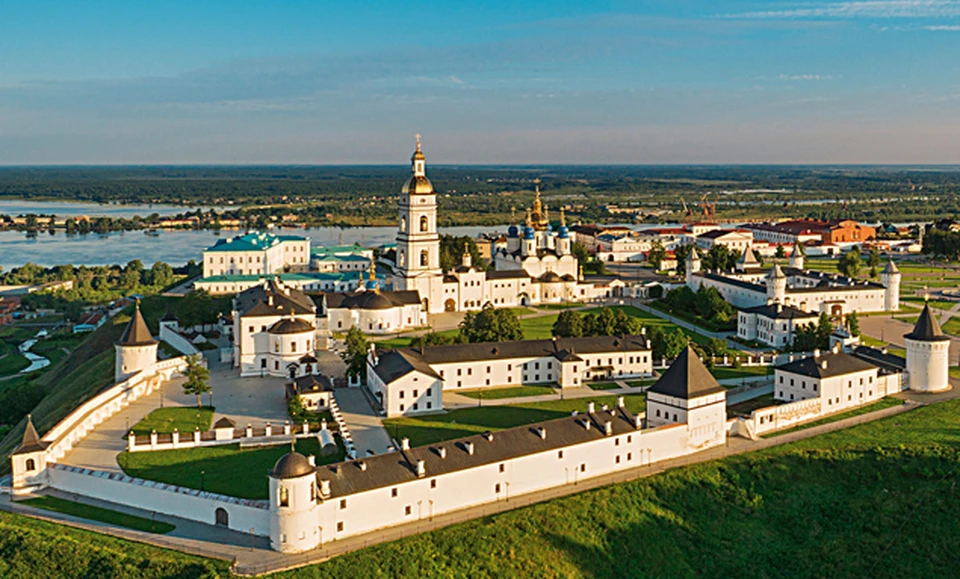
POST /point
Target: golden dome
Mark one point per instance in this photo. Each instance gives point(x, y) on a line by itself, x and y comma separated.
point(418, 185)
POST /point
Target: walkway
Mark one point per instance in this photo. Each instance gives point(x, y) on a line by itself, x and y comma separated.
point(261, 560)
point(365, 427)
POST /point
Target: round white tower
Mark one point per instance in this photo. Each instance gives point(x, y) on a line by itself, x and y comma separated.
point(928, 355)
point(136, 350)
point(294, 525)
point(796, 256)
point(890, 278)
point(777, 284)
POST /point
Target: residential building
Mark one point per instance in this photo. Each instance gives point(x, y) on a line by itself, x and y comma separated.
point(256, 253)
point(773, 324)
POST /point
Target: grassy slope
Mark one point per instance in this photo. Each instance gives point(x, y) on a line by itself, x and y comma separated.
point(854, 503)
point(92, 513)
point(467, 421)
point(32, 549)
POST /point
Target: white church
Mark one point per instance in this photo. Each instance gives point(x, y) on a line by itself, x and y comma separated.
point(536, 267)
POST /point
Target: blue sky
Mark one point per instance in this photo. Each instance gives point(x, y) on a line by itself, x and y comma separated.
point(682, 81)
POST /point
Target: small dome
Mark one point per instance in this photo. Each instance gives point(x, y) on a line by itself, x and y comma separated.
point(418, 185)
point(290, 326)
point(375, 302)
point(550, 277)
point(292, 465)
point(564, 232)
point(568, 277)
point(371, 284)
point(513, 231)
point(528, 233)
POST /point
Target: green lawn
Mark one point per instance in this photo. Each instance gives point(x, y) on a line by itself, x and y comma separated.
point(650, 320)
point(226, 470)
point(878, 405)
point(467, 421)
point(952, 326)
point(183, 418)
point(508, 392)
point(641, 383)
point(92, 513)
point(742, 372)
point(11, 361)
point(522, 311)
point(33, 548)
point(602, 385)
point(566, 306)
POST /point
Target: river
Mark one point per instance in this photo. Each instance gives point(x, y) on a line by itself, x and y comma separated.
point(17, 207)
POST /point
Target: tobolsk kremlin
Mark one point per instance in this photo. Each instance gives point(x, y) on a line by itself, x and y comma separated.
point(330, 356)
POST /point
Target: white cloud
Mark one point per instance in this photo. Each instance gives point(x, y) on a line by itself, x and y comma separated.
point(866, 9)
point(806, 76)
point(943, 27)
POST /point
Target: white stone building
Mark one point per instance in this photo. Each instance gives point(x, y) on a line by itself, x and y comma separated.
point(304, 281)
point(774, 325)
point(372, 311)
point(396, 378)
point(838, 380)
point(274, 331)
point(734, 239)
point(256, 253)
point(536, 266)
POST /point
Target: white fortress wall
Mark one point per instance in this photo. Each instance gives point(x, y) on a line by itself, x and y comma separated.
point(177, 340)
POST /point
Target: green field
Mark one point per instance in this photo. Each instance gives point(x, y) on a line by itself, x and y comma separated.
point(467, 421)
point(878, 405)
point(602, 385)
point(226, 470)
point(742, 372)
point(185, 419)
point(640, 383)
point(508, 392)
point(92, 513)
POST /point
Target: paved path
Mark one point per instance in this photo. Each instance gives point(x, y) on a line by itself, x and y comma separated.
point(365, 427)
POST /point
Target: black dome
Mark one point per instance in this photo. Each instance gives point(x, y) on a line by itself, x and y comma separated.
point(290, 326)
point(292, 465)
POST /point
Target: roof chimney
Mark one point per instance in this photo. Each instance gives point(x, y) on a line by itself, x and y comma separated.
point(591, 407)
point(608, 428)
point(836, 348)
point(816, 352)
point(362, 465)
point(443, 451)
point(488, 435)
point(469, 446)
point(421, 468)
point(404, 443)
point(542, 432)
point(324, 488)
point(823, 364)
point(586, 424)
point(637, 421)
point(620, 402)
point(312, 460)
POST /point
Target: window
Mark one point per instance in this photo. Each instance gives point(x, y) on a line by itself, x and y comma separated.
point(433, 483)
point(488, 369)
point(429, 405)
point(424, 258)
point(343, 504)
point(394, 492)
point(284, 499)
point(617, 459)
point(414, 392)
point(629, 439)
point(30, 464)
point(251, 329)
point(424, 223)
point(583, 467)
point(401, 408)
point(536, 366)
point(459, 372)
point(429, 391)
point(401, 395)
point(559, 454)
point(340, 526)
point(629, 456)
point(503, 467)
point(509, 367)
point(415, 406)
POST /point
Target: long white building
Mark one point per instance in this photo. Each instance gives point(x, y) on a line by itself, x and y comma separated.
point(256, 253)
point(411, 381)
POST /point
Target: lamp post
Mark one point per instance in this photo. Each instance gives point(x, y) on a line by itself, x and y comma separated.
point(203, 480)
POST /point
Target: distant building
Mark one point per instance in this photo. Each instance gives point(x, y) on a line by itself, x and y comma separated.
point(774, 325)
point(256, 253)
point(734, 239)
point(340, 258)
point(813, 230)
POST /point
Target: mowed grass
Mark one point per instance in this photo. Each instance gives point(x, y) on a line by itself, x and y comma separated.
point(508, 392)
point(466, 421)
point(34, 549)
point(183, 418)
point(602, 385)
point(878, 405)
point(876, 500)
point(228, 470)
point(92, 513)
point(952, 326)
point(742, 372)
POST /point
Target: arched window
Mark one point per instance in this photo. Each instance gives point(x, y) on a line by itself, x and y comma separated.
point(424, 258)
point(424, 222)
point(400, 259)
point(30, 465)
point(403, 224)
point(221, 517)
point(284, 497)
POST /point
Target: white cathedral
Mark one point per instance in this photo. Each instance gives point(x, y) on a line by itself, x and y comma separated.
point(536, 267)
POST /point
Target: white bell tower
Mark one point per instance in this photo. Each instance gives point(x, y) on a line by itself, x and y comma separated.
point(418, 244)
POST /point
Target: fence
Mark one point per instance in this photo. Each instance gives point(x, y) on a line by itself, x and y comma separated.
point(249, 436)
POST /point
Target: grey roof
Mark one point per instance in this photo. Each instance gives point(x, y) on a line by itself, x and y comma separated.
point(136, 333)
point(271, 299)
point(733, 281)
point(292, 465)
point(780, 312)
point(526, 349)
point(927, 328)
point(394, 468)
point(395, 364)
point(717, 233)
point(291, 326)
point(31, 440)
point(370, 300)
point(748, 258)
point(776, 272)
point(891, 267)
point(880, 358)
point(313, 384)
point(837, 364)
point(508, 274)
point(687, 378)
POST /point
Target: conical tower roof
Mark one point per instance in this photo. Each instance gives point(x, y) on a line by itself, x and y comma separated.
point(927, 328)
point(776, 272)
point(891, 267)
point(137, 333)
point(687, 378)
point(749, 259)
point(31, 440)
